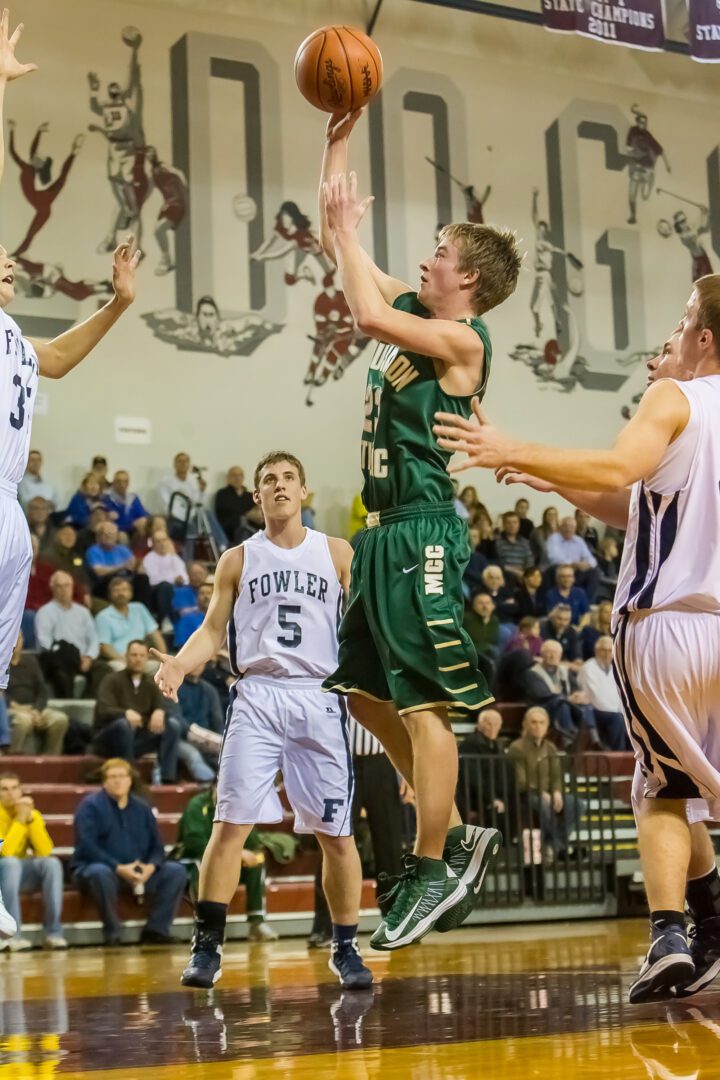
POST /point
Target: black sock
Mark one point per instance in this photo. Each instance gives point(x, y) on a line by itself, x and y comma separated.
point(211, 916)
point(667, 920)
point(703, 896)
point(344, 935)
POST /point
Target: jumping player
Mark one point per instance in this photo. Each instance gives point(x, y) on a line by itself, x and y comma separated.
point(36, 181)
point(278, 597)
point(666, 625)
point(172, 185)
point(404, 657)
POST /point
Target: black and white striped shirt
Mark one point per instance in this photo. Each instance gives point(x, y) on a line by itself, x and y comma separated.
point(362, 743)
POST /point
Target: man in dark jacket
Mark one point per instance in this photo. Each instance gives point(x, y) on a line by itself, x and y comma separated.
point(130, 716)
point(232, 503)
point(118, 846)
point(485, 782)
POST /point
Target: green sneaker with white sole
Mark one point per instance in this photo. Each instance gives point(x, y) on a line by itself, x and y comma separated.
point(425, 890)
point(469, 851)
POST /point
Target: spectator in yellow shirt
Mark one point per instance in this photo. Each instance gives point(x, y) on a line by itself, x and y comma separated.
point(27, 863)
point(357, 519)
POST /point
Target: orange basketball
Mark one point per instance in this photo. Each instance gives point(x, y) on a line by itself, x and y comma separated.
point(338, 69)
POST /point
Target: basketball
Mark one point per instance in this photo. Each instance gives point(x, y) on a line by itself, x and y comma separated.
point(244, 207)
point(338, 69)
point(664, 228)
point(132, 36)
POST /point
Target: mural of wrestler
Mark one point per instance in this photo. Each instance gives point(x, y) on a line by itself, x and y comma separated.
point(172, 185)
point(689, 236)
point(543, 294)
point(336, 341)
point(643, 151)
point(36, 180)
point(122, 126)
point(39, 281)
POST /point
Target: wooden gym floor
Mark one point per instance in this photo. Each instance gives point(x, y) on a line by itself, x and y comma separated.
point(506, 1003)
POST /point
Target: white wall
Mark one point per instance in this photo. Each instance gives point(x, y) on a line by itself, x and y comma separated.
point(504, 85)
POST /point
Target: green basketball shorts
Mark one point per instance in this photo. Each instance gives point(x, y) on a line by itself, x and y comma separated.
point(402, 636)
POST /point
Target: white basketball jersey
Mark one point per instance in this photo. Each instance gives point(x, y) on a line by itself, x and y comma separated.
point(671, 557)
point(287, 612)
point(18, 391)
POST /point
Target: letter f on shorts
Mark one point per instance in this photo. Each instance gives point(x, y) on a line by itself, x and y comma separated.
point(331, 808)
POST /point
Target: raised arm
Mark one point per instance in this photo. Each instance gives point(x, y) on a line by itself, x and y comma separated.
point(10, 68)
point(335, 159)
point(610, 507)
point(63, 353)
point(209, 638)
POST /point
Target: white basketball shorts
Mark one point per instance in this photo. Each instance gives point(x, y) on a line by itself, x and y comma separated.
point(15, 563)
point(667, 667)
point(287, 726)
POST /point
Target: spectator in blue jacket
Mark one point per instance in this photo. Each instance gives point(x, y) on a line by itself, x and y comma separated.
point(124, 506)
point(118, 846)
point(189, 622)
point(86, 499)
point(567, 592)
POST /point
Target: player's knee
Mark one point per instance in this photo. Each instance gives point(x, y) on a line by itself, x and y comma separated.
point(337, 847)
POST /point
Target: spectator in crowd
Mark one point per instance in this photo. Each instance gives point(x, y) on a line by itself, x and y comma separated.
point(130, 716)
point(501, 594)
point(185, 596)
point(108, 558)
point(510, 675)
point(194, 830)
point(469, 498)
point(165, 570)
point(485, 787)
point(200, 714)
point(527, 636)
point(530, 597)
point(558, 627)
point(549, 524)
point(34, 728)
point(4, 727)
point(472, 575)
point(185, 480)
point(597, 680)
point(124, 506)
point(608, 566)
point(539, 774)
point(38, 592)
point(522, 509)
point(66, 635)
point(87, 536)
point(125, 621)
point(188, 623)
point(486, 547)
point(357, 519)
point(586, 530)
point(567, 593)
point(232, 502)
point(144, 540)
point(33, 485)
point(219, 676)
point(251, 523)
point(599, 626)
point(307, 510)
point(548, 683)
point(64, 554)
point(87, 498)
point(566, 548)
point(38, 518)
point(118, 846)
point(460, 508)
point(27, 864)
point(514, 553)
point(483, 626)
point(99, 466)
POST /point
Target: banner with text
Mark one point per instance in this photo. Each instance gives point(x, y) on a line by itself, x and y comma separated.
point(635, 23)
point(705, 30)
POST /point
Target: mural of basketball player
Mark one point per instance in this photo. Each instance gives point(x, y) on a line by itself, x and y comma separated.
point(543, 294)
point(172, 185)
point(474, 205)
point(122, 126)
point(36, 180)
point(689, 236)
point(643, 151)
point(292, 235)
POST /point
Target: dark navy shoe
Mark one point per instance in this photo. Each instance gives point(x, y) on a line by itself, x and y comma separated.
point(705, 951)
point(204, 968)
point(667, 964)
point(347, 963)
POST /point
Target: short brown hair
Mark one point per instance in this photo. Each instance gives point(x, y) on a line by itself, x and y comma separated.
point(493, 253)
point(10, 776)
point(115, 763)
point(708, 317)
point(272, 458)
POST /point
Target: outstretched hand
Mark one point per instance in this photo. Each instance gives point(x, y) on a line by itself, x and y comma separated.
point(507, 475)
point(125, 263)
point(170, 675)
point(340, 125)
point(10, 66)
point(486, 446)
point(343, 209)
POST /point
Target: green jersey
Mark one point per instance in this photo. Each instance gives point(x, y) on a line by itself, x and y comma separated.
point(400, 458)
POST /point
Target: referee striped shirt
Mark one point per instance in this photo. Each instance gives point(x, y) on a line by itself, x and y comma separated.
point(362, 743)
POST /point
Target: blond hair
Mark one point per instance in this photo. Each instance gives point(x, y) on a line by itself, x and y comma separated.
point(708, 317)
point(493, 253)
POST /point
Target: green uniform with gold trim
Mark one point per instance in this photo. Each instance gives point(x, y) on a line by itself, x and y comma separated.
point(402, 637)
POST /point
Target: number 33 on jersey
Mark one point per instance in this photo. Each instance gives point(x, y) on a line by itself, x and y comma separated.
point(18, 391)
